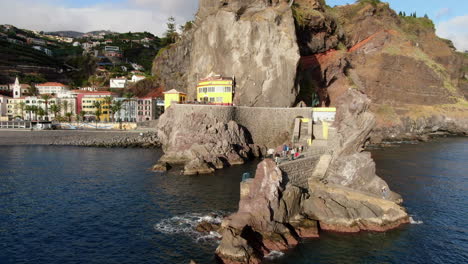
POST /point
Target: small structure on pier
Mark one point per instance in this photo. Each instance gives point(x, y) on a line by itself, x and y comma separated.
point(173, 96)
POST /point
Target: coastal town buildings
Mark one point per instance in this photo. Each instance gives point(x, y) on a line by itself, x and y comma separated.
point(18, 108)
point(3, 104)
point(51, 88)
point(128, 112)
point(173, 96)
point(118, 83)
point(149, 108)
point(86, 101)
point(19, 89)
point(216, 90)
point(137, 78)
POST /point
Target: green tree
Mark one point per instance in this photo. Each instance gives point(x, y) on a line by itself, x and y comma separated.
point(35, 109)
point(65, 106)
point(116, 107)
point(46, 98)
point(426, 16)
point(171, 32)
point(98, 111)
point(22, 106)
point(41, 112)
point(81, 116)
point(69, 116)
point(108, 102)
point(55, 108)
point(29, 110)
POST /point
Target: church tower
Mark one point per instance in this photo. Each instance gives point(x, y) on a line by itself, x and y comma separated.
point(16, 89)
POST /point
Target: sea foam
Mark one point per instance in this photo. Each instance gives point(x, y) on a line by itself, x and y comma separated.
point(415, 222)
point(186, 224)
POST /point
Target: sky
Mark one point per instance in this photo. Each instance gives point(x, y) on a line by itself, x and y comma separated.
point(450, 16)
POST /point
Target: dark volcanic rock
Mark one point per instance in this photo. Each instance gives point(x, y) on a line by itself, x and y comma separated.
point(201, 143)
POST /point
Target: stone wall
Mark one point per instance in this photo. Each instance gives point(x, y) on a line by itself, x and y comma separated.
point(267, 125)
point(299, 171)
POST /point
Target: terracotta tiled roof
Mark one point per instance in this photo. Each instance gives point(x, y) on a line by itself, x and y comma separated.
point(52, 84)
point(153, 94)
point(93, 92)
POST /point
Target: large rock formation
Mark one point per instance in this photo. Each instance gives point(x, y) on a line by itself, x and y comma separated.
point(416, 81)
point(344, 194)
point(254, 41)
point(202, 143)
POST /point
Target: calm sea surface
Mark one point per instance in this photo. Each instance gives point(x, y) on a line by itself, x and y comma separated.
point(90, 205)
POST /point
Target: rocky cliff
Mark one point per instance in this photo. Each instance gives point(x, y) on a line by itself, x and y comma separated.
point(253, 41)
point(416, 81)
point(202, 143)
point(281, 55)
point(344, 194)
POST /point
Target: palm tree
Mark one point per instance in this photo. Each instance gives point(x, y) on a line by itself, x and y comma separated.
point(22, 106)
point(65, 106)
point(116, 107)
point(69, 115)
point(34, 109)
point(41, 112)
point(46, 98)
point(55, 108)
point(81, 116)
point(29, 109)
point(98, 111)
point(108, 102)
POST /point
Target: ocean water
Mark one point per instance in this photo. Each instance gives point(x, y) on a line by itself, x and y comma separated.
point(91, 205)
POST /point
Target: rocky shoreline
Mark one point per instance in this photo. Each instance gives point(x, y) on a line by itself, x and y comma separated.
point(108, 139)
point(342, 194)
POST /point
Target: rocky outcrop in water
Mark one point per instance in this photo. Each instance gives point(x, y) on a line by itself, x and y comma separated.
point(254, 41)
point(344, 194)
point(202, 143)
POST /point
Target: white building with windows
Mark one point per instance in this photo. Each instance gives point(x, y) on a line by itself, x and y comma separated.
point(118, 83)
point(3, 105)
point(51, 88)
point(137, 78)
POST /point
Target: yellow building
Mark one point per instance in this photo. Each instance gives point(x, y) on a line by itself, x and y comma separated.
point(216, 90)
point(173, 96)
point(87, 102)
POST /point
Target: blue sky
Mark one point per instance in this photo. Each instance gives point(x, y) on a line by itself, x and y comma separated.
point(450, 16)
point(436, 10)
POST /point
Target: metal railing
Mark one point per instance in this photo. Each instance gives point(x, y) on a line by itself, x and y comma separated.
point(15, 124)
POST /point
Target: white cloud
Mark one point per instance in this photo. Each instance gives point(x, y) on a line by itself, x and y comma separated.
point(455, 29)
point(133, 15)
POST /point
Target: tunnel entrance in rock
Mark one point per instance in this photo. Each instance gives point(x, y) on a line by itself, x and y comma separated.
point(311, 83)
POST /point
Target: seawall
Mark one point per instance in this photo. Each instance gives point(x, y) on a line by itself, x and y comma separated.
point(267, 125)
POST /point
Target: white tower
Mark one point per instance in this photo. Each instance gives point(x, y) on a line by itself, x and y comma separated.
point(16, 89)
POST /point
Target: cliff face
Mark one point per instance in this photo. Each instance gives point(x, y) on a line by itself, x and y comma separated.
point(253, 41)
point(416, 81)
point(344, 194)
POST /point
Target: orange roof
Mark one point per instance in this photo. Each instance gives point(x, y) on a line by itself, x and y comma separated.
point(52, 84)
point(93, 92)
point(153, 94)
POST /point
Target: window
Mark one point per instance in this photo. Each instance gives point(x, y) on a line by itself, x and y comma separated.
point(212, 99)
point(219, 99)
point(227, 89)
